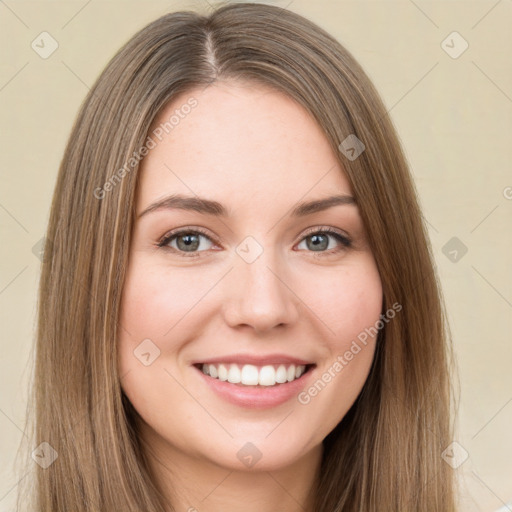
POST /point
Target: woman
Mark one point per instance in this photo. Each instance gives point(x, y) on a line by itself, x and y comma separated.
point(238, 306)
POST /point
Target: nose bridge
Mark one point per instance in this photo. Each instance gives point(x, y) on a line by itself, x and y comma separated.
point(258, 294)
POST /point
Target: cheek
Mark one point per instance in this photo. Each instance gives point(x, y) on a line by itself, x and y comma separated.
point(346, 300)
point(160, 304)
point(150, 307)
point(155, 300)
point(155, 308)
point(349, 305)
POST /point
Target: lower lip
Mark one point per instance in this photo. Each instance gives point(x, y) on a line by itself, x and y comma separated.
point(256, 397)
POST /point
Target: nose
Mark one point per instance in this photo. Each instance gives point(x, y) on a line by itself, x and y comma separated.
point(260, 295)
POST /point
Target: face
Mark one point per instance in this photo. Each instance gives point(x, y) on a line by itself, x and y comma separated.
point(242, 317)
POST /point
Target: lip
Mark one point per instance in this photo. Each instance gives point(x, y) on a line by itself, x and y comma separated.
point(256, 397)
point(256, 360)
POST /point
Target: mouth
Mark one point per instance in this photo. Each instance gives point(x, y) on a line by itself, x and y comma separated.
point(253, 375)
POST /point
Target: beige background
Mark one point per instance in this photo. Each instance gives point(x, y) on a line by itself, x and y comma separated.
point(454, 116)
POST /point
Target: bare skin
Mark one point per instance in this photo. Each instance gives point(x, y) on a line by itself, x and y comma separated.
point(259, 154)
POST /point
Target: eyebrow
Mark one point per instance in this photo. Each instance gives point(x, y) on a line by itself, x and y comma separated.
point(209, 207)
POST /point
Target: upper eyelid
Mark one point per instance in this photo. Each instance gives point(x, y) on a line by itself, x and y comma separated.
point(179, 231)
point(311, 231)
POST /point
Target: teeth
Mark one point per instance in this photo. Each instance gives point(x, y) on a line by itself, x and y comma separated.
point(267, 376)
point(234, 374)
point(251, 375)
point(223, 372)
point(281, 375)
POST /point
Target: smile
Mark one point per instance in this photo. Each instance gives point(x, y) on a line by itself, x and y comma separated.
point(255, 381)
point(253, 375)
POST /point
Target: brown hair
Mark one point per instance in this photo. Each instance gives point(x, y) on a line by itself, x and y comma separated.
point(385, 454)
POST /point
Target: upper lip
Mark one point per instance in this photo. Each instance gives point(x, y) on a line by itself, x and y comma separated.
point(257, 360)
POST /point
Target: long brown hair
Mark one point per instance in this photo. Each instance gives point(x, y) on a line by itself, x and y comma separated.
point(385, 455)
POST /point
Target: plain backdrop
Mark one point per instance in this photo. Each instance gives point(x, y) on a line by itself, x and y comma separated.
point(452, 107)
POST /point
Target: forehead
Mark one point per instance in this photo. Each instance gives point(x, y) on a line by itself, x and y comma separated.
point(232, 141)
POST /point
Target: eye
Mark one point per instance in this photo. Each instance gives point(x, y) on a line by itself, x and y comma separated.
point(317, 240)
point(188, 241)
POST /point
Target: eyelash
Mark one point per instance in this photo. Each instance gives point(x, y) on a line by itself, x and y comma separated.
point(344, 240)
